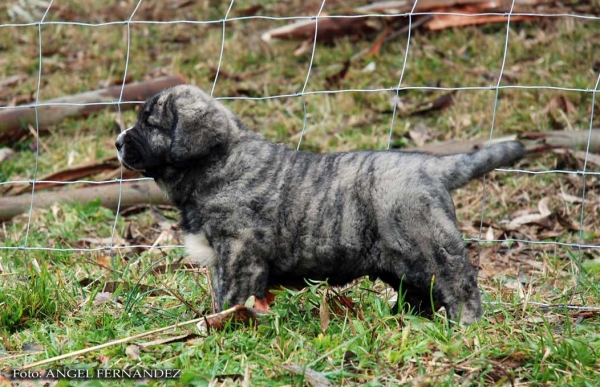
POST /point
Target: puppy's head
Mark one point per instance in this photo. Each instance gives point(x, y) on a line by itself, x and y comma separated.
point(176, 127)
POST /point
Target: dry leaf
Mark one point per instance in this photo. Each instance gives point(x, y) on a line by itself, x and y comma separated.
point(32, 347)
point(514, 360)
point(182, 4)
point(33, 382)
point(102, 297)
point(104, 260)
point(560, 103)
point(305, 46)
point(571, 198)
point(525, 219)
point(247, 377)
point(191, 266)
point(568, 223)
point(583, 314)
point(12, 80)
point(350, 359)
point(341, 305)
point(591, 157)
point(336, 78)
point(314, 378)
point(547, 234)
point(324, 312)
point(442, 102)
point(117, 241)
point(374, 50)
point(369, 68)
point(329, 29)
point(489, 235)
point(7, 154)
point(71, 174)
point(543, 207)
point(227, 379)
point(5, 382)
point(169, 340)
point(249, 11)
point(534, 319)
point(238, 313)
point(260, 304)
point(250, 302)
point(441, 21)
point(420, 135)
point(149, 291)
point(133, 352)
point(544, 213)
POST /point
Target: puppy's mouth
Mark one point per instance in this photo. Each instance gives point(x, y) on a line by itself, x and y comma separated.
point(134, 158)
point(124, 163)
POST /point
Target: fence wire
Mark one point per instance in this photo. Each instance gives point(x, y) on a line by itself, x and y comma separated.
point(302, 94)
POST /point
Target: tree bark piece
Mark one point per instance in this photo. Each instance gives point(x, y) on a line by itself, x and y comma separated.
point(535, 142)
point(452, 147)
point(571, 139)
point(69, 174)
point(14, 122)
point(332, 28)
point(133, 193)
point(239, 313)
point(440, 22)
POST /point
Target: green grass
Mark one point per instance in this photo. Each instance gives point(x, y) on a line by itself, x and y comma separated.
point(56, 302)
point(366, 345)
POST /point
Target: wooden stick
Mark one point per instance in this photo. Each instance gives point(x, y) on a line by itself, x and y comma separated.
point(534, 142)
point(72, 173)
point(14, 122)
point(119, 341)
point(133, 193)
point(230, 311)
point(330, 28)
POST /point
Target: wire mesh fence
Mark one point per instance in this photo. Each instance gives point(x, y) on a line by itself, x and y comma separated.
point(301, 92)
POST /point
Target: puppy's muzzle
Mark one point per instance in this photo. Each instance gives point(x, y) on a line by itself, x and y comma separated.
point(121, 139)
point(119, 143)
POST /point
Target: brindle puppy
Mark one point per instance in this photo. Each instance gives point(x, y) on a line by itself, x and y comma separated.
point(261, 214)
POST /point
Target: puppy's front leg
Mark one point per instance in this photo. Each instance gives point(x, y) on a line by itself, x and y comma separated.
point(238, 275)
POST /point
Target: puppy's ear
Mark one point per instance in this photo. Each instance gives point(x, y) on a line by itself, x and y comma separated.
point(199, 129)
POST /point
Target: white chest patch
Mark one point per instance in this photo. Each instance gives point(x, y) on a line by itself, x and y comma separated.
point(199, 249)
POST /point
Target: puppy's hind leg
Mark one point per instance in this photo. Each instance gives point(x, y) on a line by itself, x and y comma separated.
point(238, 275)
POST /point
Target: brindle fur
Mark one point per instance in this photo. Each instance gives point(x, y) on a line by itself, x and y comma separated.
point(276, 216)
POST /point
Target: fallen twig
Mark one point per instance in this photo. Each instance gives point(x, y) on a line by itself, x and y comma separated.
point(110, 343)
point(212, 319)
point(458, 13)
point(239, 313)
point(133, 193)
point(14, 122)
point(535, 142)
point(69, 174)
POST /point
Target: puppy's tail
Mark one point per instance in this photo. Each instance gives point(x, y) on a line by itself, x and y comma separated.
point(457, 170)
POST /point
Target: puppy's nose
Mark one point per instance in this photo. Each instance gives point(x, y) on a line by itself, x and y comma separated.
point(119, 143)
